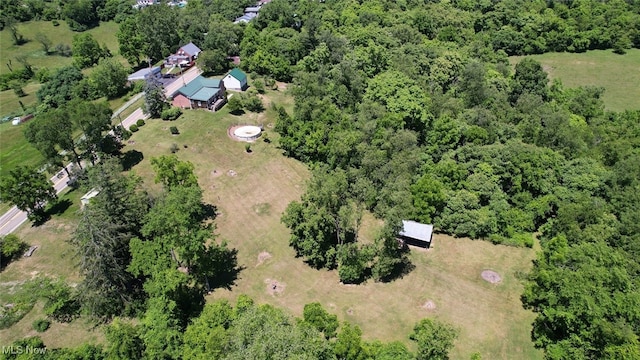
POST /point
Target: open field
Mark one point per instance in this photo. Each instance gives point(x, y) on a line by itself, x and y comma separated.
point(104, 34)
point(618, 74)
point(15, 150)
point(251, 191)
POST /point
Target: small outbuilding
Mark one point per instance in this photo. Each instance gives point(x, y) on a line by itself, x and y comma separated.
point(236, 79)
point(86, 198)
point(146, 73)
point(416, 234)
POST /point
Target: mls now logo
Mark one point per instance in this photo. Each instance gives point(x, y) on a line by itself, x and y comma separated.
point(18, 350)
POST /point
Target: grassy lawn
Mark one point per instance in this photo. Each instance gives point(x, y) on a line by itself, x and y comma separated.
point(618, 74)
point(251, 191)
point(10, 102)
point(104, 34)
point(15, 150)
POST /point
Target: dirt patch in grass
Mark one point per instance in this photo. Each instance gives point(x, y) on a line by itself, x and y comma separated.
point(275, 287)
point(491, 276)
point(262, 257)
point(429, 305)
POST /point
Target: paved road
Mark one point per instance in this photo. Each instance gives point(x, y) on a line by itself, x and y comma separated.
point(14, 217)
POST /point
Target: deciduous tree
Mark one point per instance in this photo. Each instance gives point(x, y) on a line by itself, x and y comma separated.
point(29, 190)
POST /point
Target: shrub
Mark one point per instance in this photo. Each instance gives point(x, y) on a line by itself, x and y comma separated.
point(55, 23)
point(171, 113)
point(43, 75)
point(174, 148)
point(247, 148)
point(133, 128)
point(11, 247)
point(41, 325)
point(253, 103)
point(258, 84)
point(140, 122)
point(174, 130)
point(17, 88)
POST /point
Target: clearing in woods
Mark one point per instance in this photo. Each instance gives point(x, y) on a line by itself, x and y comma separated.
point(618, 74)
point(251, 191)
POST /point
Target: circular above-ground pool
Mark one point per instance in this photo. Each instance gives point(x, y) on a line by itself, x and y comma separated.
point(247, 133)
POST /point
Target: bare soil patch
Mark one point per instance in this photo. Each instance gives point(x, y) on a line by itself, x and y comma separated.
point(429, 305)
point(491, 276)
point(274, 287)
point(262, 257)
point(215, 173)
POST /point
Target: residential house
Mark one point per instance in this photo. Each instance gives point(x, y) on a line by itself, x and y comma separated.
point(415, 233)
point(185, 56)
point(201, 93)
point(236, 79)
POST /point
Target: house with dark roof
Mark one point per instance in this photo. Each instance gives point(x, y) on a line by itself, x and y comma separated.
point(236, 79)
point(185, 56)
point(415, 233)
point(201, 93)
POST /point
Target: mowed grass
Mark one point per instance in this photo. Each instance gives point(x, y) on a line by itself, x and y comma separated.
point(15, 150)
point(618, 74)
point(32, 49)
point(490, 317)
point(251, 191)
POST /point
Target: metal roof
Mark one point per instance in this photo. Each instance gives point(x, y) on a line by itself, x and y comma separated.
point(204, 94)
point(191, 49)
point(196, 85)
point(143, 73)
point(416, 230)
point(238, 74)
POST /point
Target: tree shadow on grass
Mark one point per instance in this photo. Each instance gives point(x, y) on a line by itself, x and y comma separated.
point(59, 207)
point(130, 159)
point(225, 261)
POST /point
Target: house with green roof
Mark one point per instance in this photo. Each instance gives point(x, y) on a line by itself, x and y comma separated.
point(201, 93)
point(235, 80)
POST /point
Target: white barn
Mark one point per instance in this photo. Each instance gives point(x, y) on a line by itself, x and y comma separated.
point(235, 80)
point(415, 233)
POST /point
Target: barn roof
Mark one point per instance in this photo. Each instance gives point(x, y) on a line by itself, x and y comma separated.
point(416, 230)
point(238, 74)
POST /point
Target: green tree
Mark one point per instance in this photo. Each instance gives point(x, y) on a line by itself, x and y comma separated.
point(206, 337)
point(28, 190)
point(315, 315)
point(158, 39)
point(530, 78)
point(80, 14)
point(93, 119)
point(154, 98)
point(348, 345)
point(124, 341)
point(172, 172)
point(435, 339)
point(101, 240)
point(235, 104)
point(109, 78)
point(86, 50)
point(130, 41)
point(11, 247)
point(213, 61)
point(44, 41)
point(59, 89)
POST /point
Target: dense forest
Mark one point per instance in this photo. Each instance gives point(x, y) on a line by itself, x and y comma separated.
point(404, 109)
